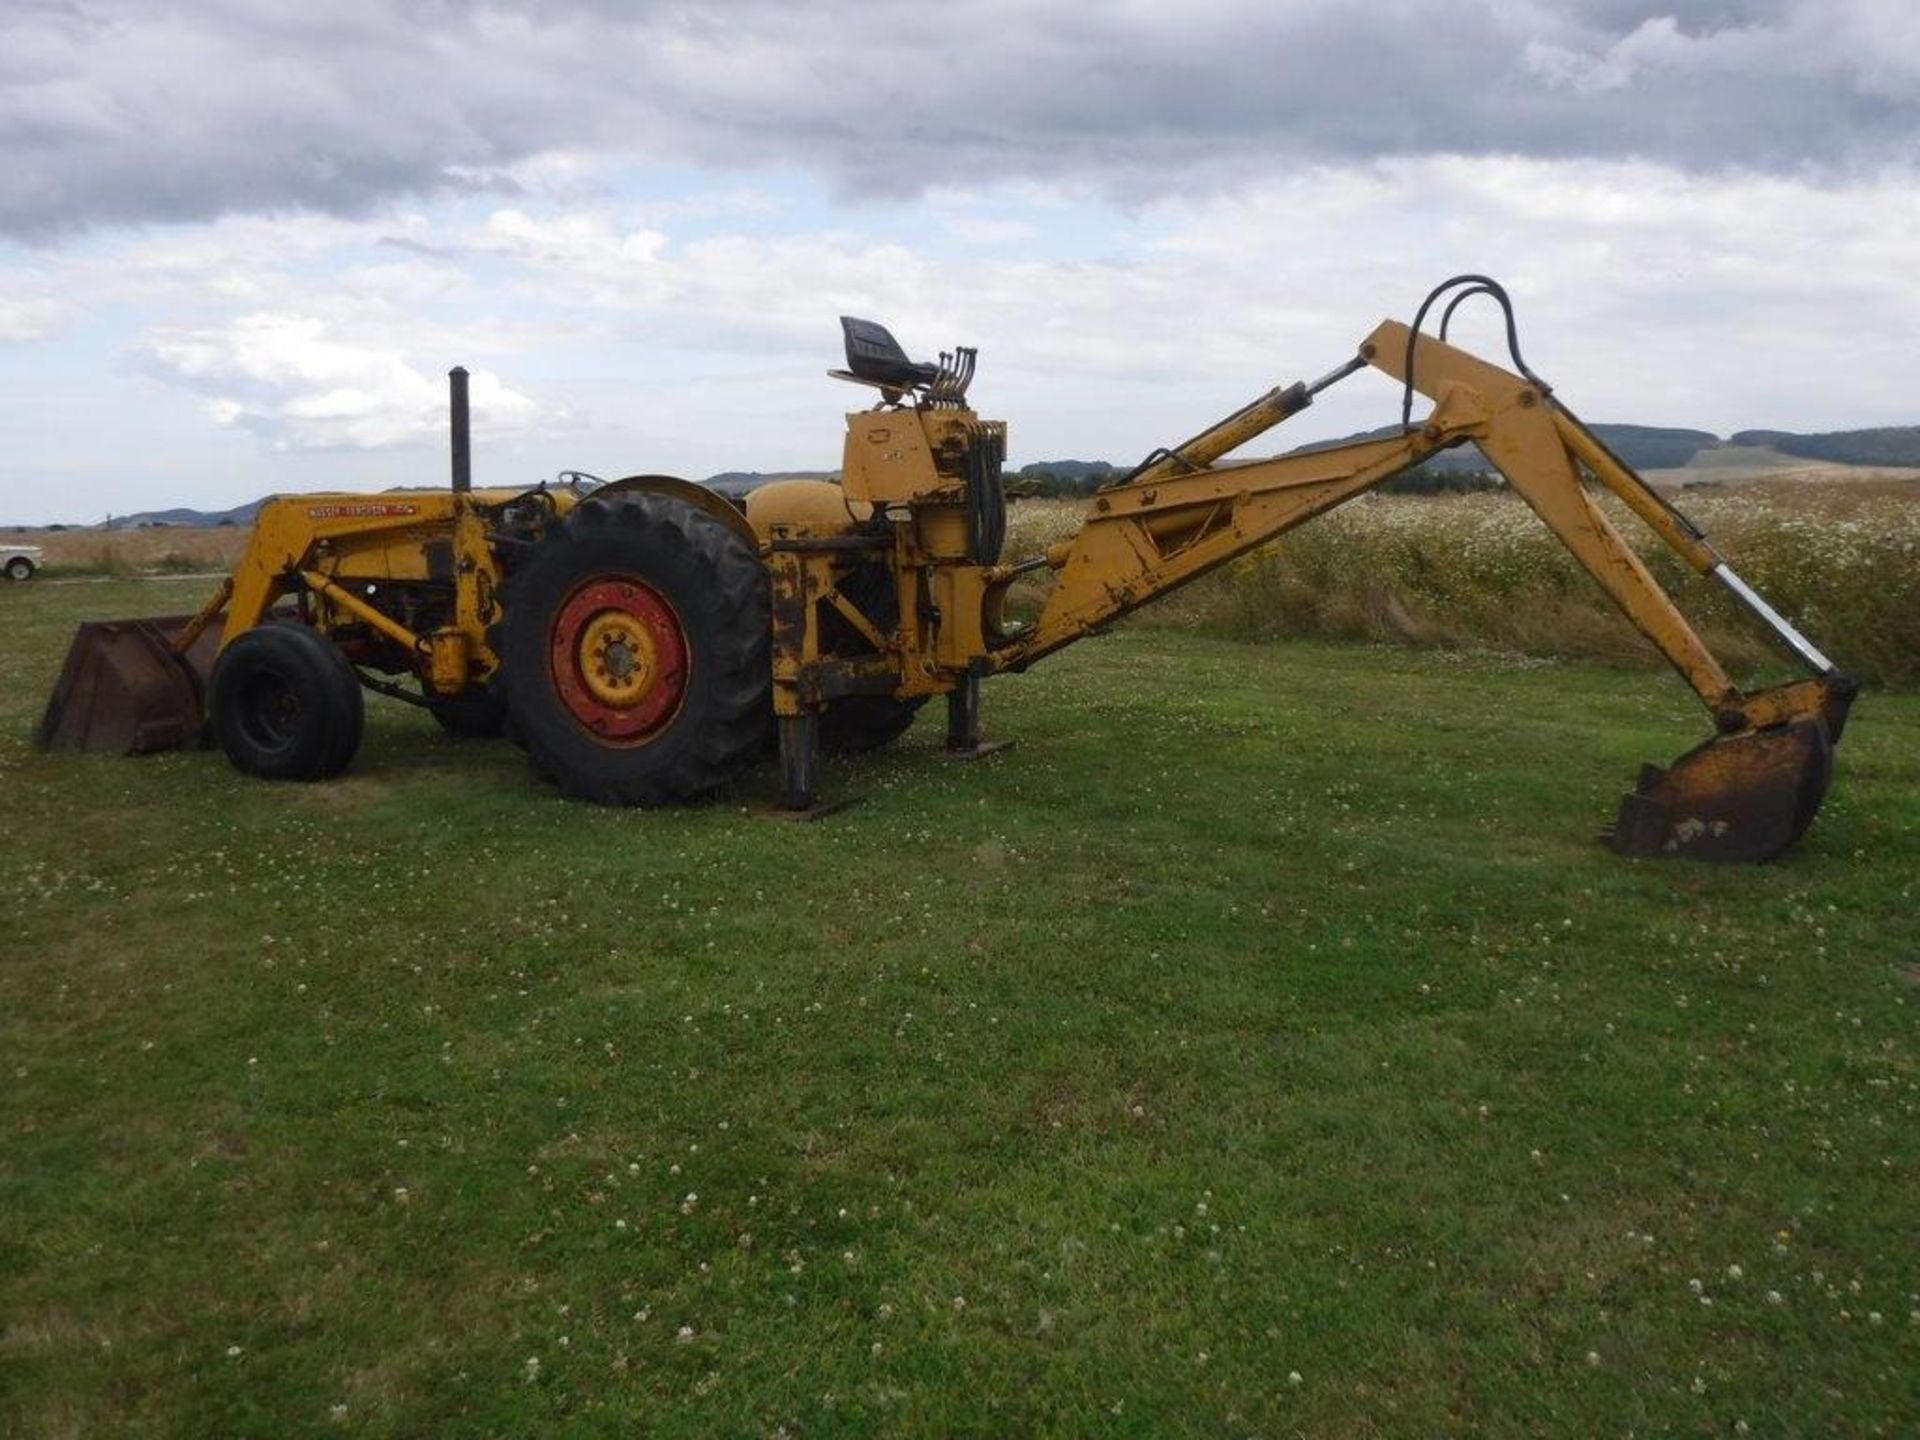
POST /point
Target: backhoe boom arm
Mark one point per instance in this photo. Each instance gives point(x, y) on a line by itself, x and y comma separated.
point(1182, 513)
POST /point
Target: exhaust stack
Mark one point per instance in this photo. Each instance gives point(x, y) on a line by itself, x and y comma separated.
point(462, 430)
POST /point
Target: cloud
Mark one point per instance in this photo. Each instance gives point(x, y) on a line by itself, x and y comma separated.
point(1624, 271)
point(29, 317)
point(287, 378)
point(119, 111)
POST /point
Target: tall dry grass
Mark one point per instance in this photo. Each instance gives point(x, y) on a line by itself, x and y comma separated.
point(1843, 561)
point(165, 550)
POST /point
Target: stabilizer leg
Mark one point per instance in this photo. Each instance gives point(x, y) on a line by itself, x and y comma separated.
point(963, 722)
point(799, 760)
point(800, 771)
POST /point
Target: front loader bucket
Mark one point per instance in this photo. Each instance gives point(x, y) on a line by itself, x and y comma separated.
point(1736, 798)
point(123, 690)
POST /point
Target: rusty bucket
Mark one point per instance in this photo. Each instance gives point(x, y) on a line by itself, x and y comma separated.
point(124, 689)
point(1735, 798)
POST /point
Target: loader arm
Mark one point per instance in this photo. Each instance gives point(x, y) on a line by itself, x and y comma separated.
point(1745, 795)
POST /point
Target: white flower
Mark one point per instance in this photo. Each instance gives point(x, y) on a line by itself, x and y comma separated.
point(684, 1334)
point(233, 1352)
point(1294, 1377)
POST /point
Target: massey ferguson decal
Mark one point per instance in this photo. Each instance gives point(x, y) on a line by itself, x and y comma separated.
point(361, 510)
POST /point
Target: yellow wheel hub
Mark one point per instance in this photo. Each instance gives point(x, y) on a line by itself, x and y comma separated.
point(618, 660)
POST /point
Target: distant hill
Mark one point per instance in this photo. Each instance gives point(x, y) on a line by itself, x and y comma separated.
point(189, 518)
point(1645, 447)
point(1887, 445)
point(1654, 447)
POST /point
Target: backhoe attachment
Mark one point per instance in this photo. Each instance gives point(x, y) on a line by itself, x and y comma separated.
point(1746, 794)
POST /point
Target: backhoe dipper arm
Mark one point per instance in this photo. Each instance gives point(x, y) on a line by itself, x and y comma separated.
point(1745, 796)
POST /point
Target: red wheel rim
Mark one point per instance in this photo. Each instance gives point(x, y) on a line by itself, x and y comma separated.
point(619, 659)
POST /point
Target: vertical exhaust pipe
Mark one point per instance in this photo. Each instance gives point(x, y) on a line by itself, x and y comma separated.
point(462, 432)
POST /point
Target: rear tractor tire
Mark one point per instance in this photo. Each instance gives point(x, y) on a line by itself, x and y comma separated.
point(285, 704)
point(635, 652)
point(860, 724)
point(476, 715)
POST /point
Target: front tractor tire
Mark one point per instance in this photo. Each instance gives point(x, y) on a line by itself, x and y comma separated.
point(635, 652)
point(285, 704)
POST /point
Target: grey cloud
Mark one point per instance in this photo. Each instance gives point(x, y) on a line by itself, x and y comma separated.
point(120, 111)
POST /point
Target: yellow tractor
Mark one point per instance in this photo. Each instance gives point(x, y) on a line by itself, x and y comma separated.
point(645, 639)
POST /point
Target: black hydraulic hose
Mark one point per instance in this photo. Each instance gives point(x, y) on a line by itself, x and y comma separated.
point(1483, 285)
point(1446, 315)
point(986, 497)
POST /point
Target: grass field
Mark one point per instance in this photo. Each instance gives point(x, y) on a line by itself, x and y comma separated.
point(1263, 1047)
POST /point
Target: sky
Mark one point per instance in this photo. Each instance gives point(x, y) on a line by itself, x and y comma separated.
point(241, 241)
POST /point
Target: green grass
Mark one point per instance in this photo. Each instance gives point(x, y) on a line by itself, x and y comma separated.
point(1270, 1010)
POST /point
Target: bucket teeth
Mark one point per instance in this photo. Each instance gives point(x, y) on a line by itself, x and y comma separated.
point(1736, 798)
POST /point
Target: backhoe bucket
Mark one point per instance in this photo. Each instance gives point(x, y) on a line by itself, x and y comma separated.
point(1736, 798)
point(123, 690)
